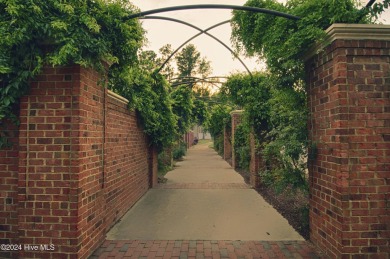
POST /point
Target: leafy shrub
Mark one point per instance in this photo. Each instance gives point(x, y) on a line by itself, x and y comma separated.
point(179, 151)
point(219, 144)
point(219, 120)
point(164, 161)
point(277, 116)
point(148, 94)
point(275, 103)
point(182, 107)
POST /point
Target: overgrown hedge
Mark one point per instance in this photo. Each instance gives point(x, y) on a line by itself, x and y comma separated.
point(275, 101)
point(89, 33)
point(219, 120)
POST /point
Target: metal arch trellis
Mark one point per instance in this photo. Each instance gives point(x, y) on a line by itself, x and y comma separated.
point(192, 79)
point(195, 36)
point(217, 6)
point(207, 6)
point(213, 6)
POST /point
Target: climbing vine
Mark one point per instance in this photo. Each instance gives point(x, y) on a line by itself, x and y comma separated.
point(183, 105)
point(36, 33)
point(149, 96)
point(277, 118)
point(241, 146)
point(90, 33)
point(282, 42)
point(275, 104)
point(219, 120)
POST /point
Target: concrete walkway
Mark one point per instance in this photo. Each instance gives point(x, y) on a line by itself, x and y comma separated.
point(203, 199)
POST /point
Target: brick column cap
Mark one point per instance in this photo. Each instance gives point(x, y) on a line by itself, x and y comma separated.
point(345, 31)
point(117, 97)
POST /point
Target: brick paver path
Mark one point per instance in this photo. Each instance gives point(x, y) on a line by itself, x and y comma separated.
point(197, 249)
point(205, 249)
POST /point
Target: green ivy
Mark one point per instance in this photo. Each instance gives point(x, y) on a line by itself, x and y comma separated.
point(252, 93)
point(219, 120)
point(275, 104)
point(220, 117)
point(282, 42)
point(89, 33)
point(149, 95)
point(183, 105)
point(40, 32)
point(201, 113)
point(277, 117)
point(242, 146)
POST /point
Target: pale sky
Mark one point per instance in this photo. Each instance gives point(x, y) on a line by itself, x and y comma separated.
point(161, 32)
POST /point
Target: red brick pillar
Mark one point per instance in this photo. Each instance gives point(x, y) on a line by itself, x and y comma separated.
point(349, 102)
point(256, 163)
point(60, 163)
point(191, 137)
point(187, 140)
point(236, 120)
point(9, 164)
point(227, 145)
point(153, 166)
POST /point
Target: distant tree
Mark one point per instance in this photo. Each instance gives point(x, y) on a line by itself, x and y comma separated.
point(204, 68)
point(147, 60)
point(168, 70)
point(192, 68)
point(188, 60)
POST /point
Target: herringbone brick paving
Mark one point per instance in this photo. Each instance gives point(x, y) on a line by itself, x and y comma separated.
point(205, 249)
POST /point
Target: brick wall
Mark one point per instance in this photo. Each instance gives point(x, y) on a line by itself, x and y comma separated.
point(126, 162)
point(88, 137)
point(227, 145)
point(9, 166)
point(189, 138)
point(47, 194)
point(83, 162)
point(349, 100)
point(256, 163)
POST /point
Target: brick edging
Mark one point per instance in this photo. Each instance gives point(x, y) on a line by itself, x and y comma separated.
point(205, 249)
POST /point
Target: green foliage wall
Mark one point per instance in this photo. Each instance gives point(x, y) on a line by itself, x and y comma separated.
point(219, 119)
point(149, 95)
point(242, 146)
point(90, 33)
point(277, 116)
point(183, 105)
point(275, 104)
point(188, 106)
point(200, 111)
point(282, 42)
point(85, 32)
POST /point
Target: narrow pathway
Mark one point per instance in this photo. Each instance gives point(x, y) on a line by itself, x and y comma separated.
point(205, 210)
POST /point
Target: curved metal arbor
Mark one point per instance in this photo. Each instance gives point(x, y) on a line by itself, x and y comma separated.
point(207, 6)
point(213, 6)
point(192, 80)
point(195, 36)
